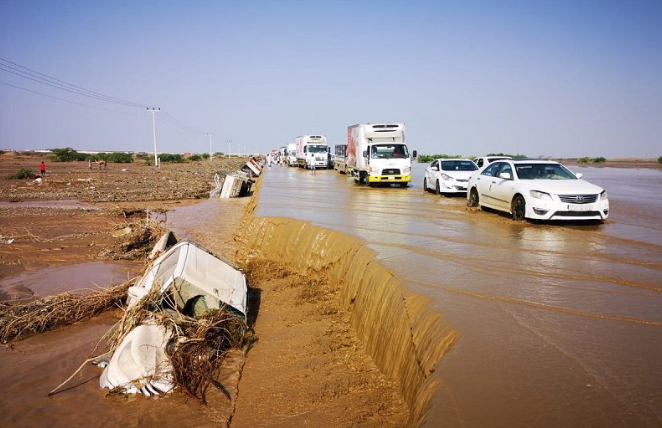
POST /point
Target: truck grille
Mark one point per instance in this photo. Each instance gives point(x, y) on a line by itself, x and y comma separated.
point(578, 199)
point(392, 171)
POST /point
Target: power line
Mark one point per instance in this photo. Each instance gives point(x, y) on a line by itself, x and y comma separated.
point(68, 101)
point(44, 79)
point(27, 73)
point(174, 122)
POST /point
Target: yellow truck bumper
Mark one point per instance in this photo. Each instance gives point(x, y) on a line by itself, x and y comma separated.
point(389, 178)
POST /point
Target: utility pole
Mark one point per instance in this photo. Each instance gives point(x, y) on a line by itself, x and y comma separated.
point(229, 142)
point(153, 111)
point(210, 153)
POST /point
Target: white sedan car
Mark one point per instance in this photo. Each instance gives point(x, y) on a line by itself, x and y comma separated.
point(448, 175)
point(537, 189)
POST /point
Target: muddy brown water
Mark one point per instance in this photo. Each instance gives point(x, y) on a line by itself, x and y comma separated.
point(558, 324)
point(484, 322)
point(33, 367)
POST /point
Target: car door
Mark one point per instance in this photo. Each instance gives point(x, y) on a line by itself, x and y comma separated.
point(503, 188)
point(430, 176)
point(484, 182)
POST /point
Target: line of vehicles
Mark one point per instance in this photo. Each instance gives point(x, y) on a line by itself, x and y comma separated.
point(376, 153)
point(524, 188)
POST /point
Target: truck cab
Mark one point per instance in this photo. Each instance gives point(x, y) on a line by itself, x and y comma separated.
point(377, 154)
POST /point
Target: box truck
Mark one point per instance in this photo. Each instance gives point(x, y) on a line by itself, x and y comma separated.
point(292, 154)
point(312, 151)
point(377, 153)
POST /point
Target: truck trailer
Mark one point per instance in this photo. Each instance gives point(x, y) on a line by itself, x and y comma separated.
point(377, 153)
point(312, 151)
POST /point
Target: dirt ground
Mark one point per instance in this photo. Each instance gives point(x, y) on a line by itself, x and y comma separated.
point(306, 369)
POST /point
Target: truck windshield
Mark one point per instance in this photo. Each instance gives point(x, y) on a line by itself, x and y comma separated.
point(316, 149)
point(388, 151)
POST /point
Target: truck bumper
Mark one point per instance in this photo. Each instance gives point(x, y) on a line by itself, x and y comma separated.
point(389, 178)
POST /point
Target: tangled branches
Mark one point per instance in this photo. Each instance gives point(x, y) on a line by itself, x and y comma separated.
point(18, 321)
point(200, 345)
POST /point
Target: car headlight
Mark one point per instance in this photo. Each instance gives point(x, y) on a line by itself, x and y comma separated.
point(540, 195)
point(446, 177)
point(603, 196)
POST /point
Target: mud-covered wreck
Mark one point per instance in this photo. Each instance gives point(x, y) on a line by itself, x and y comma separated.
point(183, 314)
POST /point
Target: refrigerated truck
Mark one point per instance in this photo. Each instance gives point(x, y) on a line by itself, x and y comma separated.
point(292, 154)
point(340, 158)
point(377, 153)
point(312, 150)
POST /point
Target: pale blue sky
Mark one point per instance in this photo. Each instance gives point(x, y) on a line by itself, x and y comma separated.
point(557, 78)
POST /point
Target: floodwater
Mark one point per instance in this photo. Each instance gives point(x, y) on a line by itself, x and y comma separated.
point(31, 368)
point(560, 324)
point(78, 278)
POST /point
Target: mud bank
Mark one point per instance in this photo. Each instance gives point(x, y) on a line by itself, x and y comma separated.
point(401, 331)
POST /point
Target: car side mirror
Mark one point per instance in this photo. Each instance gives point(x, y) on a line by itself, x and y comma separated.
point(414, 154)
point(365, 153)
point(579, 175)
point(505, 175)
point(435, 168)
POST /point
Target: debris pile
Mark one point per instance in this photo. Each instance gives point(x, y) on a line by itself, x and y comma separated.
point(237, 184)
point(183, 315)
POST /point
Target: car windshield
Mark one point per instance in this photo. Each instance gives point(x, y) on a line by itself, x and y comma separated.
point(458, 165)
point(543, 171)
point(389, 151)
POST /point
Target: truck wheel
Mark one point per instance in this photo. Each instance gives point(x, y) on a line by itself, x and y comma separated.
point(404, 185)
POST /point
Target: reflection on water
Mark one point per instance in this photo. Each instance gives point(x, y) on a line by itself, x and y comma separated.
point(561, 323)
point(54, 280)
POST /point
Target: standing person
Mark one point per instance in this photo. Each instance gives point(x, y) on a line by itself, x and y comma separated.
point(42, 168)
point(312, 163)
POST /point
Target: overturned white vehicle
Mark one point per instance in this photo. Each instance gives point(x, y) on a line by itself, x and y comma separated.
point(188, 283)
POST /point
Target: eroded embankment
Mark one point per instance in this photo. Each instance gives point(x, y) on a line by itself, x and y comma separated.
point(405, 337)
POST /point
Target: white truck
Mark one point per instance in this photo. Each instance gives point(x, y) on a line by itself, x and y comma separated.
point(312, 151)
point(291, 154)
point(377, 153)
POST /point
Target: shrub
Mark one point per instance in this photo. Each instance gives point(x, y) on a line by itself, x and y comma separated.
point(22, 174)
point(195, 158)
point(430, 158)
point(585, 159)
point(172, 158)
point(67, 155)
point(659, 160)
point(115, 157)
point(599, 160)
point(520, 156)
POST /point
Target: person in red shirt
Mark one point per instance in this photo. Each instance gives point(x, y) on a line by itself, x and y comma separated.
point(42, 168)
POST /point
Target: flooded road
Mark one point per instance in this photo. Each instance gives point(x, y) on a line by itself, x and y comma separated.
point(560, 324)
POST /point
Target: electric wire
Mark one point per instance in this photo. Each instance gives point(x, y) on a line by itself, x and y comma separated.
point(27, 73)
point(68, 101)
point(38, 77)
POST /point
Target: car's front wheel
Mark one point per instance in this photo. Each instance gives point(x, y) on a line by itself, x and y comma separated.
point(425, 184)
point(519, 208)
point(437, 188)
point(473, 197)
